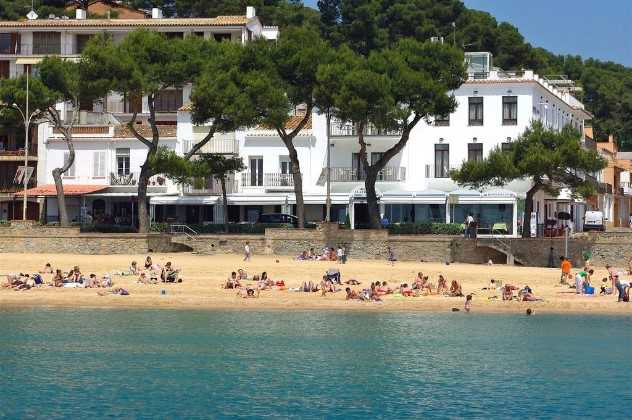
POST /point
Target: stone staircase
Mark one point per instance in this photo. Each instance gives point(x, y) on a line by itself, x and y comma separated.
point(502, 245)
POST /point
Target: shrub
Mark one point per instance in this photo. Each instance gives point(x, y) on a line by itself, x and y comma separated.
point(233, 228)
point(426, 228)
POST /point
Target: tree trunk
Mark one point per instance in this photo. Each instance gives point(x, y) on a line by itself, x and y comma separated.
point(143, 180)
point(222, 181)
point(61, 198)
point(298, 183)
point(528, 209)
point(371, 198)
point(57, 174)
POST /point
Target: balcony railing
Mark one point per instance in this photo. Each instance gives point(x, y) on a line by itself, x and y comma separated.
point(220, 144)
point(211, 187)
point(123, 180)
point(7, 186)
point(267, 180)
point(433, 171)
point(346, 129)
point(338, 174)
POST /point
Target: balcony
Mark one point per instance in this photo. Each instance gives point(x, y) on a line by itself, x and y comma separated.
point(7, 186)
point(388, 174)
point(123, 180)
point(269, 181)
point(17, 155)
point(211, 186)
point(433, 171)
point(347, 129)
point(221, 143)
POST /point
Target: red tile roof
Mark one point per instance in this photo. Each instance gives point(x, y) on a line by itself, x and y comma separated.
point(50, 191)
point(123, 23)
point(123, 131)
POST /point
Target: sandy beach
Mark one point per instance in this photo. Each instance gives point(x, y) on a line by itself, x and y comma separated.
point(204, 275)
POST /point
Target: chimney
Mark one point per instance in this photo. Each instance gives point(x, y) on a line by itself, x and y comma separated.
point(250, 12)
point(156, 13)
point(80, 14)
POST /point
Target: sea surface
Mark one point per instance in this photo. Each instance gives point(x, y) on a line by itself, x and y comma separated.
point(216, 364)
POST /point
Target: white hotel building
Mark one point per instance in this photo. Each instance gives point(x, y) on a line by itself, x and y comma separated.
point(494, 108)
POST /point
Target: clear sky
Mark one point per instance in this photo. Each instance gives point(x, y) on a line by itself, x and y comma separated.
point(591, 28)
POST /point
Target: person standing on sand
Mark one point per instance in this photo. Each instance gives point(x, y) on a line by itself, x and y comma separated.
point(566, 270)
point(468, 303)
point(247, 252)
point(390, 256)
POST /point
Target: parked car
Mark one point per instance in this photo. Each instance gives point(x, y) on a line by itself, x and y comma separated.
point(594, 220)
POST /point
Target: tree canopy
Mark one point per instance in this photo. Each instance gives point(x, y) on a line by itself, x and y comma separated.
point(551, 160)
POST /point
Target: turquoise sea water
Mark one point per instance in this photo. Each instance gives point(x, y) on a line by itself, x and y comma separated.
point(215, 364)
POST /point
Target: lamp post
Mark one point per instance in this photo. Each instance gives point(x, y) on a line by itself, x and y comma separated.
point(27, 122)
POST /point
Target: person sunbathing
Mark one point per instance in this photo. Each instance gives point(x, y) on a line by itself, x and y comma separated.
point(309, 287)
point(352, 294)
point(383, 288)
point(405, 290)
point(455, 289)
point(232, 282)
point(302, 256)
point(115, 291)
point(58, 278)
point(266, 280)
point(47, 269)
point(248, 292)
point(92, 281)
point(352, 282)
point(442, 285)
point(133, 269)
point(508, 292)
point(170, 274)
point(418, 282)
point(241, 274)
point(148, 263)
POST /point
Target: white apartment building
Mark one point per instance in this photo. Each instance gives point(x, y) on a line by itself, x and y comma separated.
point(494, 108)
point(104, 177)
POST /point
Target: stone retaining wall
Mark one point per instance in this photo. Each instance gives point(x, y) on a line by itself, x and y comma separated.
point(606, 248)
point(71, 241)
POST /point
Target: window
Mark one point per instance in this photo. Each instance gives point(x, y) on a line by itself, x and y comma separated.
point(476, 111)
point(475, 152)
point(505, 147)
point(9, 43)
point(442, 120)
point(222, 37)
point(5, 71)
point(98, 165)
point(46, 43)
point(70, 173)
point(168, 100)
point(256, 171)
point(442, 161)
point(122, 161)
point(510, 110)
point(82, 41)
point(285, 165)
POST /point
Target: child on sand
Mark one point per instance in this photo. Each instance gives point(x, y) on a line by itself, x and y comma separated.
point(566, 270)
point(604, 286)
point(390, 256)
point(468, 303)
point(247, 252)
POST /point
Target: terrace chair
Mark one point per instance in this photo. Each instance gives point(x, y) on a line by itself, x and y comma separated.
point(500, 228)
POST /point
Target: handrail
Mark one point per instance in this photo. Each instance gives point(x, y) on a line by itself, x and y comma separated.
point(184, 230)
